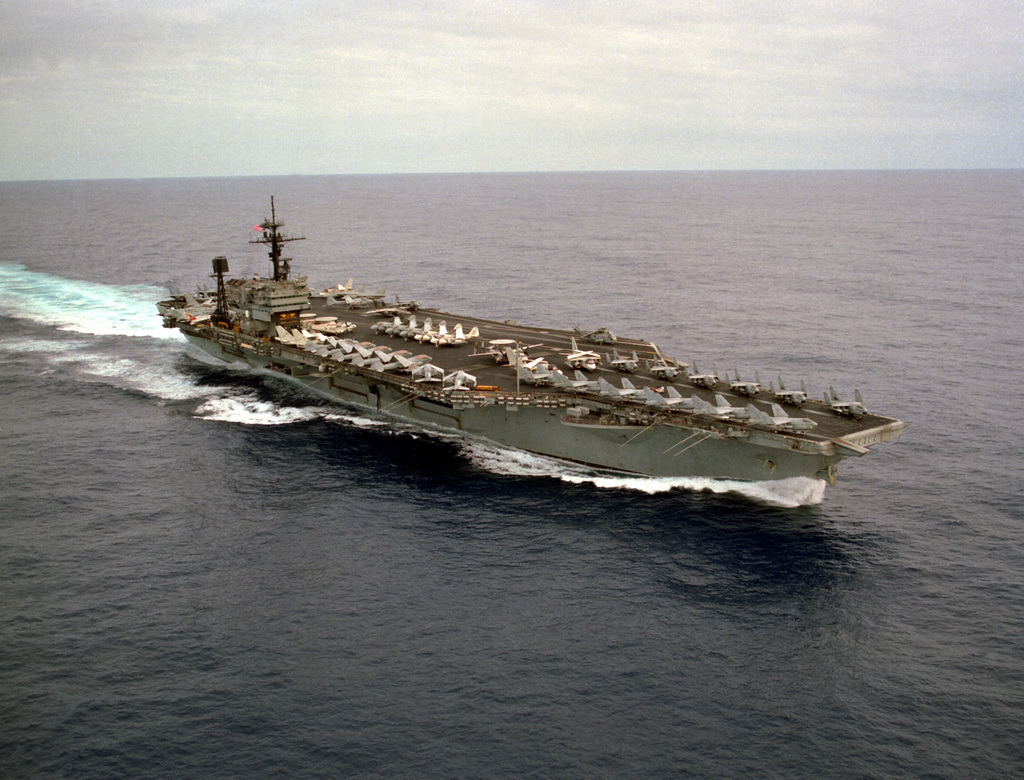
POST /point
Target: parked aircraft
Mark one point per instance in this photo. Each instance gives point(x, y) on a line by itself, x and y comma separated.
point(702, 380)
point(459, 380)
point(663, 370)
point(578, 384)
point(376, 364)
point(428, 372)
point(456, 338)
point(737, 412)
point(424, 332)
point(534, 372)
point(720, 410)
point(387, 327)
point(599, 336)
point(339, 289)
point(627, 391)
point(746, 388)
point(791, 397)
point(406, 305)
point(364, 348)
point(496, 348)
point(625, 365)
point(406, 330)
point(700, 406)
point(356, 299)
point(396, 327)
point(195, 310)
point(846, 408)
point(778, 420)
point(670, 399)
point(582, 358)
point(410, 363)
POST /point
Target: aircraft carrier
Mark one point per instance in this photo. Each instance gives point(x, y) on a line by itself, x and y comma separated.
point(588, 397)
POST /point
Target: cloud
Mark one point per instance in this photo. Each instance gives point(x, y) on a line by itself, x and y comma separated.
point(108, 88)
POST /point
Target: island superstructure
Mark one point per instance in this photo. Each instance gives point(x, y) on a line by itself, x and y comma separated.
point(588, 397)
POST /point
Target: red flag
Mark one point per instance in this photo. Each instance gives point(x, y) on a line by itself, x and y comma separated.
point(257, 227)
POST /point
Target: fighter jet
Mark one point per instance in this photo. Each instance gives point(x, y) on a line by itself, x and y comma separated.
point(778, 420)
point(194, 311)
point(534, 372)
point(734, 412)
point(627, 392)
point(845, 408)
point(721, 410)
point(410, 363)
point(359, 299)
point(670, 399)
point(428, 372)
point(746, 388)
point(702, 380)
point(364, 348)
point(386, 327)
point(339, 289)
point(663, 370)
point(459, 380)
point(406, 305)
point(791, 397)
point(376, 364)
point(625, 365)
point(579, 384)
point(336, 294)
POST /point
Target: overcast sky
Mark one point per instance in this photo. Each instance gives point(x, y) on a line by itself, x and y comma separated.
point(139, 88)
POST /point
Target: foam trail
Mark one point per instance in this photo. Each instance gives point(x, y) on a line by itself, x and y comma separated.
point(158, 378)
point(251, 411)
point(151, 370)
point(81, 307)
point(785, 493)
point(508, 461)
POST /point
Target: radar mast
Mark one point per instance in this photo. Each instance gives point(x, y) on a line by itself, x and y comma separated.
point(272, 237)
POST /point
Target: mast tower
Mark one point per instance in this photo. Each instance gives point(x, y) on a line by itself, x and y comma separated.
point(272, 237)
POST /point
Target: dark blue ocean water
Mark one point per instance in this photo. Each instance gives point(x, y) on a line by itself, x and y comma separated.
point(204, 573)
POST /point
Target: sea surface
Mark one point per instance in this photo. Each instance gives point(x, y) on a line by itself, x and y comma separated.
point(206, 573)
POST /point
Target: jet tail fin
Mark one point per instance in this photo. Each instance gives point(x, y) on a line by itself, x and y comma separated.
point(758, 417)
point(653, 399)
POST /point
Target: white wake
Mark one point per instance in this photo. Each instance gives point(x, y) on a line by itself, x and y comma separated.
point(81, 307)
point(784, 493)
